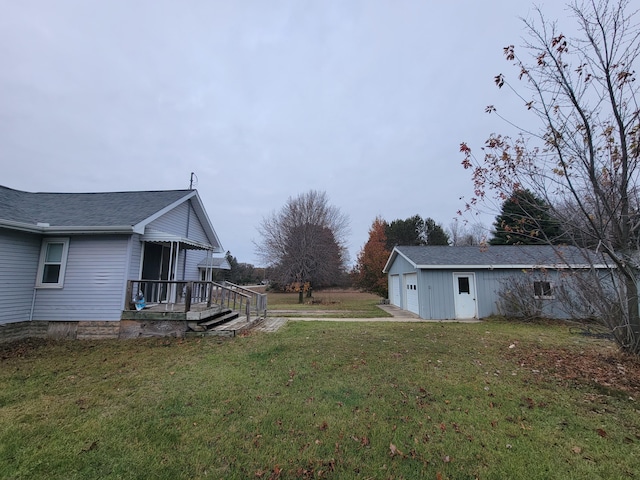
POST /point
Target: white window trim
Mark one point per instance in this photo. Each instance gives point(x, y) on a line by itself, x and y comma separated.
point(544, 297)
point(63, 262)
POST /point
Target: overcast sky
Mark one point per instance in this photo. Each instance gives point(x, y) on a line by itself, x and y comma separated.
point(367, 100)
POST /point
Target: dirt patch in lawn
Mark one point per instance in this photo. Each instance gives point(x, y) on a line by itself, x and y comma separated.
point(21, 348)
point(609, 370)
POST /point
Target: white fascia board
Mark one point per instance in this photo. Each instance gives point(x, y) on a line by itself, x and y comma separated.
point(64, 230)
point(117, 229)
point(206, 223)
point(23, 227)
point(394, 253)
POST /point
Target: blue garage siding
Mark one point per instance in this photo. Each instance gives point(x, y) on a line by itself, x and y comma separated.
point(19, 253)
point(436, 294)
point(93, 288)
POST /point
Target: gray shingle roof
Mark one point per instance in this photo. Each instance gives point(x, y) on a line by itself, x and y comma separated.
point(497, 256)
point(215, 262)
point(84, 209)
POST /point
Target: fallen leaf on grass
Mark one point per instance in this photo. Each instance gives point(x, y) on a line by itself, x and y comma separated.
point(576, 450)
point(602, 433)
point(276, 473)
point(394, 450)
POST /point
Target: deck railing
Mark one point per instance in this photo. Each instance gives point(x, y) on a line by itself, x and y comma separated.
point(258, 300)
point(182, 296)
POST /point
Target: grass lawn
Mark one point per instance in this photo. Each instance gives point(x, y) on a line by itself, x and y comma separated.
point(327, 303)
point(493, 400)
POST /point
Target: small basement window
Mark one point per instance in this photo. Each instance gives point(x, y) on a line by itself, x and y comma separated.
point(542, 290)
point(53, 262)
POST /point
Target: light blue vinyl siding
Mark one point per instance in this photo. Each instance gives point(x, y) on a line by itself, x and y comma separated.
point(176, 221)
point(436, 289)
point(196, 232)
point(93, 284)
point(183, 222)
point(436, 294)
point(193, 258)
point(19, 254)
point(135, 260)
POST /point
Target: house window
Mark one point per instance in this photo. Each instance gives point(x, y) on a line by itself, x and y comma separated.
point(542, 290)
point(53, 262)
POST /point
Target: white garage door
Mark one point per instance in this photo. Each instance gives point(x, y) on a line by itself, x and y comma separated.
point(395, 290)
point(411, 292)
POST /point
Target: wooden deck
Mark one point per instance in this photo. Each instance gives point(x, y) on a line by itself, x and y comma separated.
point(172, 311)
point(154, 319)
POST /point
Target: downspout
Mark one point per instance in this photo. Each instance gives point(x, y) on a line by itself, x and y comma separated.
point(33, 304)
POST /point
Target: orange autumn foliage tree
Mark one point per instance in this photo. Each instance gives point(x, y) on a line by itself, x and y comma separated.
point(367, 274)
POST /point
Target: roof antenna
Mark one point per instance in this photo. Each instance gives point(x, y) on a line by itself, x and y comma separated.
point(191, 183)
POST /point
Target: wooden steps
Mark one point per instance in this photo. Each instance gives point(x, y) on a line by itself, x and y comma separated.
point(223, 316)
point(227, 323)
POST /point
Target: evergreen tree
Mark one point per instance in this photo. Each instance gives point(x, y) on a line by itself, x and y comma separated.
point(433, 233)
point(404, 232)
point(525, 220)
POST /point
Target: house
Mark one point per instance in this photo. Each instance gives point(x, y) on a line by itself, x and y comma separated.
point(441, 282)
point(67, 259)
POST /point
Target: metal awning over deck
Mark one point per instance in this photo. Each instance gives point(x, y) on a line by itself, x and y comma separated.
point(162, 237)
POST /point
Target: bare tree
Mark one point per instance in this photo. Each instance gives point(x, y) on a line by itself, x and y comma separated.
point(584, 159)
point(463, 234)
point(305, 241)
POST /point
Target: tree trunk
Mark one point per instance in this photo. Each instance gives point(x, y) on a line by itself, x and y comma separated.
point(633, 311)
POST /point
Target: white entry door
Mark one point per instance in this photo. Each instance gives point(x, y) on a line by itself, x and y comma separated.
point(411, 289)
point(464, 290)
point(395, 290)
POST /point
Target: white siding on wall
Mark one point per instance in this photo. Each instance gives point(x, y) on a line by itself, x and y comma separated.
point(19, 254)
point(93, 282)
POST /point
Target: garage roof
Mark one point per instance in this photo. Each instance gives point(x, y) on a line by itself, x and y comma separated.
point(496, 257)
